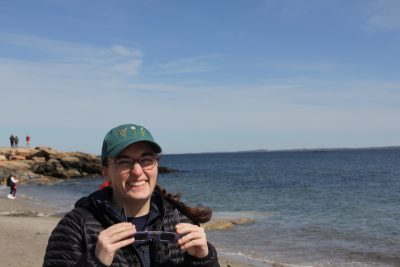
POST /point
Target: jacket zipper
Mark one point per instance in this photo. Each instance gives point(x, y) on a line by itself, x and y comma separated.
point(161, 224)
point(133, 246)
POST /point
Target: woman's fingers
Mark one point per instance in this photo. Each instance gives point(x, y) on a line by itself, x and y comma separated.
point(113, 238)
point(118, 232)
point(193, 239)
point(191, 236)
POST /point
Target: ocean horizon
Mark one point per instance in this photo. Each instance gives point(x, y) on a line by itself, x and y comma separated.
point(318, 149)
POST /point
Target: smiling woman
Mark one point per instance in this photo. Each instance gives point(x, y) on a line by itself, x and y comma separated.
point(132, 183)
point(131, 222)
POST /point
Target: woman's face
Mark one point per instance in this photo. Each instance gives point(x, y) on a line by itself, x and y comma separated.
point(135, 184)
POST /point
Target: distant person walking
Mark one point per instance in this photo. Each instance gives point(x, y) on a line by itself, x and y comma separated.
point(28, 140)
point(16, 140)
point(12, 139)
point(12, 183)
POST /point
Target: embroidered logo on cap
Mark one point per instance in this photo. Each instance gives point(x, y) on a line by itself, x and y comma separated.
point(123, 132)
point(133, 129)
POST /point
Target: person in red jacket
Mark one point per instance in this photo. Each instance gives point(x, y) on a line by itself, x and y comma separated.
point(28, 140)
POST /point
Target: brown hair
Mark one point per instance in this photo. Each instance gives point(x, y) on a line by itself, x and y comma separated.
point(198, 214)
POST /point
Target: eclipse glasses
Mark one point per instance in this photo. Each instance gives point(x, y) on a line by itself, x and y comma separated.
point(158, 236)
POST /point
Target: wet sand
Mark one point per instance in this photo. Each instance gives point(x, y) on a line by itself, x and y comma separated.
point(24, 231)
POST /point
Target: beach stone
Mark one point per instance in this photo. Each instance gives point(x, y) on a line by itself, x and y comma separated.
point(163, 169)
point(220, 224)
point(226, 223)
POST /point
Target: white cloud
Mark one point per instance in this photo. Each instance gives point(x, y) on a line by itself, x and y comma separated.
point(130, 67)
point(134, 52)
point(189, 65)
point(65, 56)
point(306, 66)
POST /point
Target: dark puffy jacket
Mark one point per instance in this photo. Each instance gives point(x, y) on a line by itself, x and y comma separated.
point(73, 241)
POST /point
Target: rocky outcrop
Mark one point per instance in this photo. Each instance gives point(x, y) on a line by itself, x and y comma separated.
point(40, 162)
point(45, 164)
point(226, 223)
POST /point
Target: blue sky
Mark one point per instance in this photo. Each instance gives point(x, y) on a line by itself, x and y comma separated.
point(203, 76)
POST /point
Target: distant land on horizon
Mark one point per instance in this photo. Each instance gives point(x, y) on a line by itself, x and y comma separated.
point(294, 150)
point(317, 150)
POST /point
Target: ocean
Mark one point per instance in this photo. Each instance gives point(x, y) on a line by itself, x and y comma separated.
point(311, 208)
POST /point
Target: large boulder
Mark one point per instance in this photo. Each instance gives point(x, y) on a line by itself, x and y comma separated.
point(46, 152)
point(44, 162)
point(70, 162)
point(51, 167)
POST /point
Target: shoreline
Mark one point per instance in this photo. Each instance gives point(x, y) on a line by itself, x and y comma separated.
point(26, 227)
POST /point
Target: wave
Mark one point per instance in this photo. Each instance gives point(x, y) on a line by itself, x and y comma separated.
point(257, 261)
point(254, 214)
point(2, 187)
point(17, 213)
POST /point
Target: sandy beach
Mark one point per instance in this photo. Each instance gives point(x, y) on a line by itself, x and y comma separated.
point(25, 228)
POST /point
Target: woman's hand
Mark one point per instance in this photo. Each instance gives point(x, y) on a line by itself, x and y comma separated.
point(193, 239)
point(113, 238)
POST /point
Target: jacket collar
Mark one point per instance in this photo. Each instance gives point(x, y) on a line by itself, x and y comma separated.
point(100, 204)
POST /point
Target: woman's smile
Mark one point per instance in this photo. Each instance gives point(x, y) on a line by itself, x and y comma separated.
point(136, 183)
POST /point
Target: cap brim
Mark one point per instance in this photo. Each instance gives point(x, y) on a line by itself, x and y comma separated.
point(118, 149)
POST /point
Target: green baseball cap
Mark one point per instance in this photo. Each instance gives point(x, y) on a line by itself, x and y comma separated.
point(120, 137)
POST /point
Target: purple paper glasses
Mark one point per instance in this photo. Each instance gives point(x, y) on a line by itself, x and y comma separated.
point(159, 236)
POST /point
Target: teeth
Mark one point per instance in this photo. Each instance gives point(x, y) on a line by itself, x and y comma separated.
point(133, 184)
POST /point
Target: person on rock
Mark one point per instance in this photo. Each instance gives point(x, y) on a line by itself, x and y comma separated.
point(16, 141)
point(12, 140)
point(28, 141)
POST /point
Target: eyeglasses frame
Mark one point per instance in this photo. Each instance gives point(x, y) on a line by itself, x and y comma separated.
point(134, 161)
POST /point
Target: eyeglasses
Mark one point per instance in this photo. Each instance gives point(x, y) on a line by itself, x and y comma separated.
point(125, 165)
point(159, 236)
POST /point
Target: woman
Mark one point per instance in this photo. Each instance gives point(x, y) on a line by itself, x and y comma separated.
point(133, 222)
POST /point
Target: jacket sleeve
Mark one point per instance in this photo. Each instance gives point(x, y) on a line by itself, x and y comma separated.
point(67, 245)
point(211, 260)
